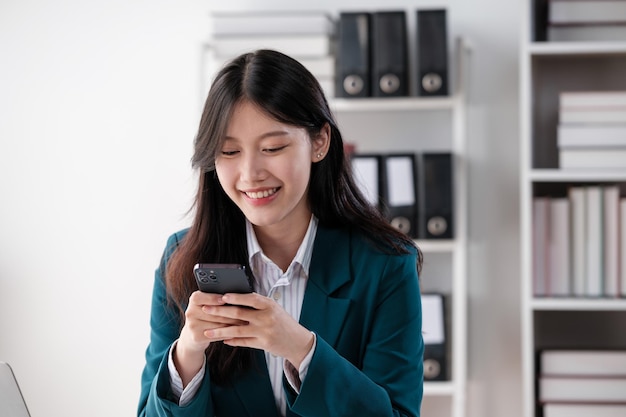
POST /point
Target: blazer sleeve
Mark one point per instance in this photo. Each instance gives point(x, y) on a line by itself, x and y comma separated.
point(156, 398)
point(389, 381)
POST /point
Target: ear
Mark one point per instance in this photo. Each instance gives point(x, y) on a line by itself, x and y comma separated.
point(321, 144)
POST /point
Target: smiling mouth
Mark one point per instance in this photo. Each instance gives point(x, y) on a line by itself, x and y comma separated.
point(261, 194)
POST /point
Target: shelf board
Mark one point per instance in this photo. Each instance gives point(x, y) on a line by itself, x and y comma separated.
point(393, 104)
point(581, 175)
point(438, 388)
point(576, 48)
point(432, 245)
point(584, 304)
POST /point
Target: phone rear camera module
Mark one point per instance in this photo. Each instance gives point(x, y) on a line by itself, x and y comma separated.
point(203, 276)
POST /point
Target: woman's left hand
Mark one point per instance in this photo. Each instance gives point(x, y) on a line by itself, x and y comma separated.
point(269, 327)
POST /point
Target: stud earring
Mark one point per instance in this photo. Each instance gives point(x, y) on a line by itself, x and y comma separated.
point(319, 155)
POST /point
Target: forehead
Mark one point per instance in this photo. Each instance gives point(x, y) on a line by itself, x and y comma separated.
point(246, 114)
point(249, 120)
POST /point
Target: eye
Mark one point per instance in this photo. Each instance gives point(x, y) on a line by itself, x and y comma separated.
point(229, 153)
point(275, 149)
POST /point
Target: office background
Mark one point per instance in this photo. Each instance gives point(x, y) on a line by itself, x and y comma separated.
point(99, 102)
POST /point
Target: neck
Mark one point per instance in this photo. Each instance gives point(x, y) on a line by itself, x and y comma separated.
point(281, 244)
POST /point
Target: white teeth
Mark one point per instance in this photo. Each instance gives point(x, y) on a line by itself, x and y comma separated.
point(261, 194)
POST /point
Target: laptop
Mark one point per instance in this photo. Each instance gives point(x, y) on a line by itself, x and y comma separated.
point(11, 400)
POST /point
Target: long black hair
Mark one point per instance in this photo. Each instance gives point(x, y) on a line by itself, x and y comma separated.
point(289, 93)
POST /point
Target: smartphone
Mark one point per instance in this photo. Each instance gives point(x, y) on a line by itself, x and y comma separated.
point(222, 278)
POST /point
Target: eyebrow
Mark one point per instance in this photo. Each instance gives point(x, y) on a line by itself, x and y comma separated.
point(273, 133)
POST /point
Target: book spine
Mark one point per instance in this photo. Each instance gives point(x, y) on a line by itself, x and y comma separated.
point(559, 247)
point(594, 241)
point(611, 241)
point(622, 266)
point(541, 218)
point(578, 217)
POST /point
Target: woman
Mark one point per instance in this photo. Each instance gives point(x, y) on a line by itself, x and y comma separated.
point(334, 325)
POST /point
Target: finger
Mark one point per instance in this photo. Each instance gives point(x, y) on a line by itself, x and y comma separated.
point(200, 298)
point(241, 342)
point(219, 315)
point(229, 333)
point(230, 314)
point(252, 300)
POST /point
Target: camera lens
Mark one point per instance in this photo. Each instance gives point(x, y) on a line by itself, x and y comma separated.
point(213, 277)
point(203, 276)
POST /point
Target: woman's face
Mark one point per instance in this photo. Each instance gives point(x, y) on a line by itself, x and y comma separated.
point(264, 167)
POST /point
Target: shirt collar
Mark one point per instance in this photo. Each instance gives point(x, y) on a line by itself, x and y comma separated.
point(305, 251)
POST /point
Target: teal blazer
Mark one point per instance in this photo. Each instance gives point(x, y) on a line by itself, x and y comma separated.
point(364, 305)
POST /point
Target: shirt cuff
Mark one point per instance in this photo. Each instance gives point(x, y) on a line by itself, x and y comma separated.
point(184, 395)
point(296, 376)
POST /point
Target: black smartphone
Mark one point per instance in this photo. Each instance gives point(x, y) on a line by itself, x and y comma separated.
point(222, 278)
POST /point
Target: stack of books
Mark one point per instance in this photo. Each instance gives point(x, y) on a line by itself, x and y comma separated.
point(592, 130)
point(577, 383)
point(586, 20)
point(579, 243)
point(309, 37)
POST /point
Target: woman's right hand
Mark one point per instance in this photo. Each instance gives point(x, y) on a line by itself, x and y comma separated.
point(189, 352)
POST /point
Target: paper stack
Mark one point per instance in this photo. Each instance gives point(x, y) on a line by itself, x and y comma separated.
point(577, 383)
point(586, 20)
point(592, 130)
point(308, 37)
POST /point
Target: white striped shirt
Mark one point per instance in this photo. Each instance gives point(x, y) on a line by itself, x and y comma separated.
point(287, 289)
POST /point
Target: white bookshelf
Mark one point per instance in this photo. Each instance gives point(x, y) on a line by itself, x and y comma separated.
point(560, 175)
point(578, 48)
point(546, 68)
point(437, 246)
point(577, 304)
point(394, 104)
point(443, 119)
point(441, 398)
point(443, 389)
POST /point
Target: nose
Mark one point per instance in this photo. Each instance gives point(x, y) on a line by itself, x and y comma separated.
point(252, 168)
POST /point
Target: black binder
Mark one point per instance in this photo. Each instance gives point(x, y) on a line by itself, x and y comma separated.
point(389, 54)
point(369, 176)
point(353, 78)
point(432, 52)
point(400, 193)
point(435, 338)
point(435, 214)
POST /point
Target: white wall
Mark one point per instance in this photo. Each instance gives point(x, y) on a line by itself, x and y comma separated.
point(98, 107)
point(99, 102)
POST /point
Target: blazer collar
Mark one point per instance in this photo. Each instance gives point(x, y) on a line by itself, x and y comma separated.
point(322, 312)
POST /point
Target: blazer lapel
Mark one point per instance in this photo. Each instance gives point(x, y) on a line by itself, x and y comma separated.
point(330, 269)
point(254, 389)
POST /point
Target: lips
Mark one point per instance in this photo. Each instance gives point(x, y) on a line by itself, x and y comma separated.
point(255, 195)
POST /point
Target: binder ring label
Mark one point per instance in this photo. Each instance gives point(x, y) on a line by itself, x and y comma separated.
point(432, 82)
point(401, 223)
point(353, 84)
point(437, 225)
point(389, 83)
point(432, 369)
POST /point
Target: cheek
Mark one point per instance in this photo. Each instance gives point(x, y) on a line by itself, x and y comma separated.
point(300, 174)
point(223, 176)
